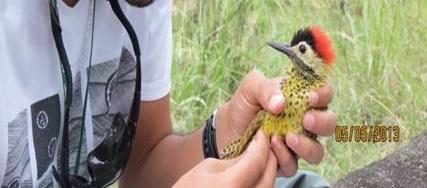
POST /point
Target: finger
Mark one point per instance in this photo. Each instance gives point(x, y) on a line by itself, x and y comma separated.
point(269, 176)
point(306, 148)
point(322, 97)
point(288, 163)
point(249, 168)
point(322, 123)
point(259, 92)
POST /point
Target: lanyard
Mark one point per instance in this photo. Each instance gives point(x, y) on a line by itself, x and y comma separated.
point(120, 135)
point(67, 80)
point(83, 119)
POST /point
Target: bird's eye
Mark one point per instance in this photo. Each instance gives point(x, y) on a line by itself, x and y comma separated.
point(302, 48)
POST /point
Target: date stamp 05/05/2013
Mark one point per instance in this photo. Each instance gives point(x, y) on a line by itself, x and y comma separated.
point(367, 133)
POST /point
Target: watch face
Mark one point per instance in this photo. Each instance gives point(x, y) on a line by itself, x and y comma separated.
point(140, 3)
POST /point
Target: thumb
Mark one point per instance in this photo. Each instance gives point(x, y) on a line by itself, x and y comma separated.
point(249, 168)
point(262, 92)
point(255, 92)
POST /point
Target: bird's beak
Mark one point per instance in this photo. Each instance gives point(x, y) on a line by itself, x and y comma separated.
point(284, 48)
point(297, 61)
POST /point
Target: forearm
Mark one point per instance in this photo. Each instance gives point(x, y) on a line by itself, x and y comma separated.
point(170, 156)
point(173, 156)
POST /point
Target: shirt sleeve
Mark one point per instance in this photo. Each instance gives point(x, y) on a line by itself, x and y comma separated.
point(153, 25)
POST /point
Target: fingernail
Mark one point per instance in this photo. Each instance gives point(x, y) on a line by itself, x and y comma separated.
point(293, 139)
point(309, 121)
point(314, 97)
point(275, 101)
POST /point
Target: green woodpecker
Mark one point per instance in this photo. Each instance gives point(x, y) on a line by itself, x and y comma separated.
point(312, 56)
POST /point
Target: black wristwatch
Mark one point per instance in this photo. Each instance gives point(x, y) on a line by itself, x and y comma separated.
point(209, 138)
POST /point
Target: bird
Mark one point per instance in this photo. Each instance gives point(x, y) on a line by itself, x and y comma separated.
point(312, 57)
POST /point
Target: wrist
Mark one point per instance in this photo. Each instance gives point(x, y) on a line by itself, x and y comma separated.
point(225, 133)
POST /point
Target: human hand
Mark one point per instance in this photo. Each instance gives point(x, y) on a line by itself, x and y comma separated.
point(256, 92)
point(257, 167)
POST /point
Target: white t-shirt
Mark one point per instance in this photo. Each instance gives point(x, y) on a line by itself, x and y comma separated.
point(32, 92)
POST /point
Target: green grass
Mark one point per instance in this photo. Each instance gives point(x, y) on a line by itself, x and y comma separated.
point(380, 74)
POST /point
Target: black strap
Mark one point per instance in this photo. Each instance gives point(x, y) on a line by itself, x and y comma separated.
point(133, 117)
point(68, 80)
point(209, 139)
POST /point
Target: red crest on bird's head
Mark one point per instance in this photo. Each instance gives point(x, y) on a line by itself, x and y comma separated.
point(319, 42)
